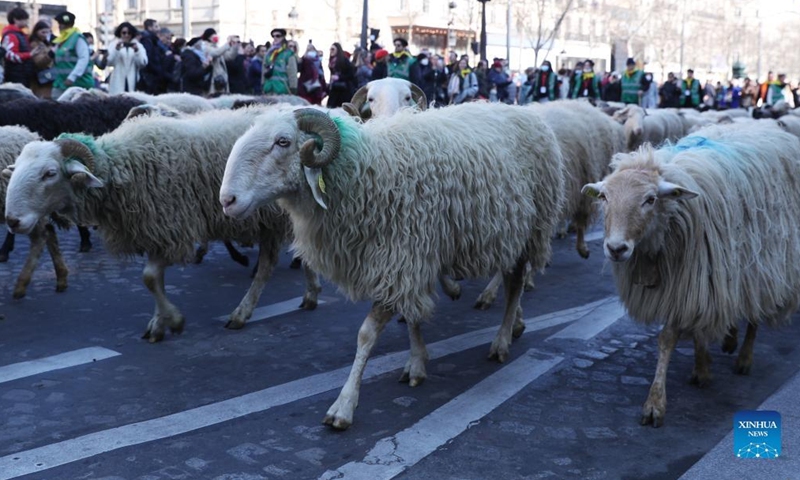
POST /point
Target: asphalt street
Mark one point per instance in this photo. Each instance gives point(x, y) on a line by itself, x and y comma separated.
point(82, 396)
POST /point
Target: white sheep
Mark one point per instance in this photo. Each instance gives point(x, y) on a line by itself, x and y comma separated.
point(12, 140)
point(381, 213)
point(703, 234)
point(385, 97)
point(150, 185)
point(588, 139)
point(651, 126)
point(182, 102)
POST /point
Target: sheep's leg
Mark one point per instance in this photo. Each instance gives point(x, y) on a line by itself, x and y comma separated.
point(236, 255)
point(312, 288)
point(86, 243)
point(580, 245)
point(655, 407)
point(166, 313)
point(701, 374)
point(450, 287)
point(201, 252)
point(414, 372)
point(340, 415)
point(745, 359)
point(267, 259)
point(489, 294)
point(512, 281)
point(519, 324)
point(529, 274)
point(563, 226)
point(8, 247)
point(581, 222)
point(731, 340)
point(37, 237)
point(51, 240)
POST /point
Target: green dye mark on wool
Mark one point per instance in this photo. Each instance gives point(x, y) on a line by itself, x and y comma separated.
point(349, 132)
point(87, 140)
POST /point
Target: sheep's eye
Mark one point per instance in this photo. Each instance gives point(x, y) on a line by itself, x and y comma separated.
point(650, 200)
point(49, 174)
point(370, 99)
point(283, 142)
point(408, 98)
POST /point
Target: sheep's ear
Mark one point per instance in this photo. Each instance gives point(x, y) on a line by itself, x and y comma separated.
point(592, 189)
point(80, 175)
point(674, 192)
point(316, 183)
point(7, 172)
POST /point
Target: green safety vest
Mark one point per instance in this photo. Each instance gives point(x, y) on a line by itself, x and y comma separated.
point(694, 93)
point(278, 83)
point(777, 92)
point(65, 61)
point(400, 67)
point(593, 92)
point(631, 86)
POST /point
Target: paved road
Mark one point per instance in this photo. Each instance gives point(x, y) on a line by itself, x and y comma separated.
point(82, 396)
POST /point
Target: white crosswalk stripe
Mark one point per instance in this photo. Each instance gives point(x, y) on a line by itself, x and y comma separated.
point(56, 362)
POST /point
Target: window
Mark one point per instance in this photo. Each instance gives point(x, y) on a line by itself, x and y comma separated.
point(177, 3)
point(133, 4)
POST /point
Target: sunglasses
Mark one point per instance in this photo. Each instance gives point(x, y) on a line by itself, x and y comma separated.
point(277, 35)
point(124, 32)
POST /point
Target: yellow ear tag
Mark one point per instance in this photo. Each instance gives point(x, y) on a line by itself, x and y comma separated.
point(321, 183)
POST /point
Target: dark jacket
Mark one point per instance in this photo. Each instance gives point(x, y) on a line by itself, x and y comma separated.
point(435, 86)
point(670, 95)
point(613, 92)
point(381, 70)
point(153, 78)
point(343, 88)
point(195, 79)
point(237, 77)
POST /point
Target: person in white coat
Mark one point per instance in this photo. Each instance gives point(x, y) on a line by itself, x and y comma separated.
point(127, 56)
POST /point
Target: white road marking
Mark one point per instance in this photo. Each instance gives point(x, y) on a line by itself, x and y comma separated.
point(72, 450)
point(593, 322)
point(591, 237)
point(393, 455)
point(56, 362)
point(269, 311)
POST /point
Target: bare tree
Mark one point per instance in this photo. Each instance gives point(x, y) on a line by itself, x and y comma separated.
point(540, 21)
point(336, 6)
point(626, 20)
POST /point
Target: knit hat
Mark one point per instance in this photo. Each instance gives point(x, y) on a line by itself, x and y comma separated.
point(381, 54)
point(630, 61)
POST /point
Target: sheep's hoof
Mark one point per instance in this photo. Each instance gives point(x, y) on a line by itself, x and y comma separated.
point(583, 252)
point(340, 415)
point(337, 422)
point(413, 373)
point(499, 350)
point(18, 294)
point(85, 246)
point(652, 415)
point(234, 325)
point(482, 305)
point(529, 286)
point(61, 287)
point(455, 293)
point(742, 368)
point(199, 254)
point(308, 304)
point(518, 329)
point(177, 329)
point(401, 320)
point(153, 336)
point(561, 235)
point(296, 263)
point(700, 381)
point(730, 344)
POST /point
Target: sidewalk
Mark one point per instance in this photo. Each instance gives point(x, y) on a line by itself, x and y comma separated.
point(721, 464)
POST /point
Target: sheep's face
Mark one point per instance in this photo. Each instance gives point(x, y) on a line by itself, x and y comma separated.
point(264, 165)
point(387, 96)
point(632, 200)
point(41, 182)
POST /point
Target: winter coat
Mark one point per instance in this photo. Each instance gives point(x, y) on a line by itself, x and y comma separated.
point(126, 62)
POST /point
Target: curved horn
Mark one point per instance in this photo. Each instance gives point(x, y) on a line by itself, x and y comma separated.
point(74, 149)
point(351, 110)
point(419, 97)
point(360, 98)
point(314, 121)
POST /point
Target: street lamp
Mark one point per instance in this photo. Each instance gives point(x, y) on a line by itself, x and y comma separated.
point(293, 17)
point(483, 28)
point(450, 43)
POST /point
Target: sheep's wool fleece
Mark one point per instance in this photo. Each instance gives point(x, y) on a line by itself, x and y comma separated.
point(162, 178)
point(12, 139)
point(416, 194)
point(588, 138)
point(733, 252)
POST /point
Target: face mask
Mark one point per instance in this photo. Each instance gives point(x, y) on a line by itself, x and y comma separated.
point(545, 68)
point(587, 70)
point(424, 61)
point(311, 54)
point(578, 71)
point(214, 39)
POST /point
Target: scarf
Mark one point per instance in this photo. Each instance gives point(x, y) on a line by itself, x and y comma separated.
point(465, 72)
point(65, 34)
point(629, 75)
point(276, 52)
point(587, 76)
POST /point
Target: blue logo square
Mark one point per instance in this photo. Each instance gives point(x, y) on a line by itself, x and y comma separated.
point(757, 434)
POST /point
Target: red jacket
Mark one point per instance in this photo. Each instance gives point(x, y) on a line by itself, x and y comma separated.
point(17, 49)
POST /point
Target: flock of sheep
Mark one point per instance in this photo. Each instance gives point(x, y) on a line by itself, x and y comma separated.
point(385, 199)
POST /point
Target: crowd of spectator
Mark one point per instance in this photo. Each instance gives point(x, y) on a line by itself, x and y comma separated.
point(153, 61)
